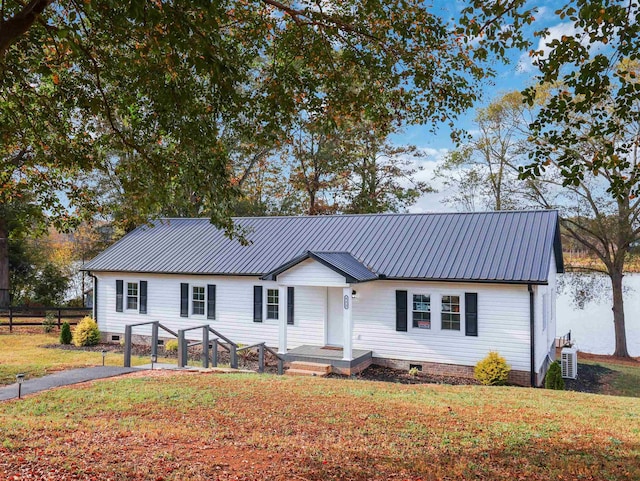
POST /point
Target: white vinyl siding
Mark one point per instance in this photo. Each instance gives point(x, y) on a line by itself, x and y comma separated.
point(311, 273)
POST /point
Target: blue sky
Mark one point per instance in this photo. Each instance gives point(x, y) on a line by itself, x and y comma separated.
point(516, 75)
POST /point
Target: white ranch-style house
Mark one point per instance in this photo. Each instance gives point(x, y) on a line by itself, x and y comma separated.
point(438, 291)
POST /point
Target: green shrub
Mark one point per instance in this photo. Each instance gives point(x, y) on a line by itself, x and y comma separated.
point(553, 379)
point(493, 370)
point(49, 322)
point(86, 333)
point(171, 345)
point(414, 371)
point(65, 333)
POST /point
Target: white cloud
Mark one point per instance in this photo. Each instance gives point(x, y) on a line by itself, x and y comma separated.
point(428, 164)
point(525, 64)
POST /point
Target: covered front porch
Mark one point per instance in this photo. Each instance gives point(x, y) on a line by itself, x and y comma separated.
point(333, 276)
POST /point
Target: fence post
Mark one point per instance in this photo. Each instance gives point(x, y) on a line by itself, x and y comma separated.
point(154, 339)
point(261, 358)
point(59, 318)
point(214, 353)
point(280, 367)
point(233, 353)
point(182, 349)
point(127, 346)
point(10, 319)
point(205, 347)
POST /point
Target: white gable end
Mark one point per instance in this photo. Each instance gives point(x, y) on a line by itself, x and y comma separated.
point(311, 273)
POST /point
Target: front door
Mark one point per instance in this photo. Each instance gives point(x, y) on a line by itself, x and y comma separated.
point(335, 317)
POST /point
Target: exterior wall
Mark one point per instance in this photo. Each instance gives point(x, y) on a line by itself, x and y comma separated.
point(503, 324)
point(545, 335)
point(311, 273)
point(503, 318)
point(234, 308)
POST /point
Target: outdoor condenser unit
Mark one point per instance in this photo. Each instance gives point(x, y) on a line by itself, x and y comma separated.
point(569, 362)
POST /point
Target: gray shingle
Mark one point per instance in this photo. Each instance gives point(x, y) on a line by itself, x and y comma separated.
point(506, 246)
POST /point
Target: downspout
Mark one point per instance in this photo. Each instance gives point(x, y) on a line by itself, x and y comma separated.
point(95, 296)
point(532, 334)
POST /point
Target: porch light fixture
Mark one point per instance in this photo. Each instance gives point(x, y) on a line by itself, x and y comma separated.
point(354, 294)
point(154, 359)
point(20, 380)
point(104, 354)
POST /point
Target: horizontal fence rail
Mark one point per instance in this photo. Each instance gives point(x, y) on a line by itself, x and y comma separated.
point(31, 312)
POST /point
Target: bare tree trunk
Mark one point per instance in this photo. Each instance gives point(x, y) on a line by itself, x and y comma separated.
point(618, 314)
point(4, 264)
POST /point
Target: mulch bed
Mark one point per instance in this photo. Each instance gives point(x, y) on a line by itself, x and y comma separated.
point(591, 378)
point(387, 374)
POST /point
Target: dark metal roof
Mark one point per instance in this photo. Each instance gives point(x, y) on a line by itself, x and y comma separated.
point(341, 262)
point(505, 246)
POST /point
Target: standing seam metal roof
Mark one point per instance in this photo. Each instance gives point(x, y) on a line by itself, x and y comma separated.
point(505, 246)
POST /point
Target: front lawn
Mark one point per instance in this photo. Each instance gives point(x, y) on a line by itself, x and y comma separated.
point(22, 351)
point(180, 426)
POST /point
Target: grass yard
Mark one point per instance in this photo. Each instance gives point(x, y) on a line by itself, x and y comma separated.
point(190, 426)
point(22, 352)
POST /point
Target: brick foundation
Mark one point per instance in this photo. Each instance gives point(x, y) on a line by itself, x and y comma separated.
point(520, 378)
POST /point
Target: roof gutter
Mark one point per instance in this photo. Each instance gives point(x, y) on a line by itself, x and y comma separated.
point(532, 334)
point(95, 295)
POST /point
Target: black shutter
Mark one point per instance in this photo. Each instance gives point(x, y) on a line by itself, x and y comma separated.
point(401, 311)
point(184, 299)
point(290, 301)
point(119, 289)
point(257, 303)
point(211, 301)
point(143, 297)
point(471, 313)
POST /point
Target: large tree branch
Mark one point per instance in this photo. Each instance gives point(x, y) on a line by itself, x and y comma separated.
point(19, 24)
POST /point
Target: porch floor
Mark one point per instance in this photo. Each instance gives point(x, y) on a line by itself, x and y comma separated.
point(333, 356)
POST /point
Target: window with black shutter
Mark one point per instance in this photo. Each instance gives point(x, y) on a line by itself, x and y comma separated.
point(143, 297)
point(471, 313)
point(257, 303)
point(211, 301)
point(119, 295)
point(290, 304)
point(401, 311)
point(184, 299)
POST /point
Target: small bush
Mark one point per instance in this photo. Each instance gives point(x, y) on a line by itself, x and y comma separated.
point(414, 371)
point(49, 322)
point(553, 379)
point(493, 370)
point(65, 333)
point(86, 333)
point(171, 345)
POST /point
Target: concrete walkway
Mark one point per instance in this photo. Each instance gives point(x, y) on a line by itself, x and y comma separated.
point(63, 378)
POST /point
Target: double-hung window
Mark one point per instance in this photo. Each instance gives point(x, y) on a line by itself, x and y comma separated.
point(273, 302)
point(421, 311)
point(132, 295)
point(450, 313)
point(197, 300)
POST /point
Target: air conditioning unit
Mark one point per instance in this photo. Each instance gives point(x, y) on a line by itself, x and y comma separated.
point(569, 362)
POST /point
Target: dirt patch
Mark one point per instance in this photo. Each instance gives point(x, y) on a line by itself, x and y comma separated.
point(387, 374)
point(632, 361)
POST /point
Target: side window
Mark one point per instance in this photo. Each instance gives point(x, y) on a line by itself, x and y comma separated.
point(197, 300)
point(421, 311)
point(273, 302)
point(450, 313)
point(132, 295)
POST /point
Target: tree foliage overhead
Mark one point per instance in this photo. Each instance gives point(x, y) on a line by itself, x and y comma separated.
point(595, 71)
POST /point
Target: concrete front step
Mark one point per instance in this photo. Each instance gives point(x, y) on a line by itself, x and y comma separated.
point(305, 372)
point(311, 366)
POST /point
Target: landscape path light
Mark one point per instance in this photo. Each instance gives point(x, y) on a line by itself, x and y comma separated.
point(104, 354)
point(154, 359)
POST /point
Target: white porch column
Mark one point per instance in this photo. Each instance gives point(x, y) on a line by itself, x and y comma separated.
point(282, 318)
point(347, 304)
